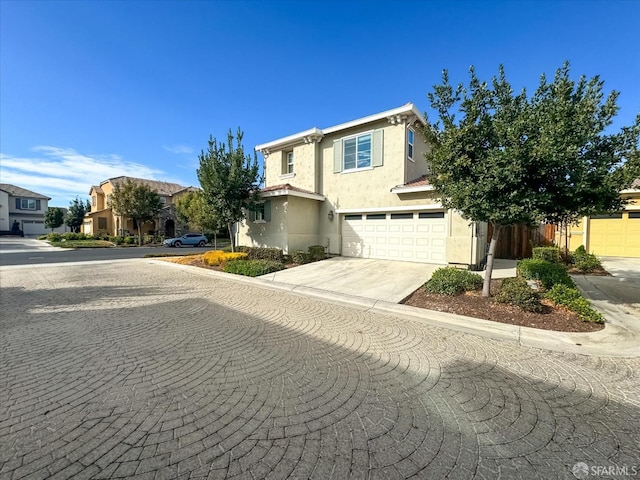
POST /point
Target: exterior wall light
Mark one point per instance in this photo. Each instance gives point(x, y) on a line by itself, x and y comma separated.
point(330, 214)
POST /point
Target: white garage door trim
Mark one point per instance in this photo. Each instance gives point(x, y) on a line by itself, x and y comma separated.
point(408, 236)
point(33, 227)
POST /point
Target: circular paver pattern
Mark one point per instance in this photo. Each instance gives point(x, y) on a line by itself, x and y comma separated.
point(140, 369)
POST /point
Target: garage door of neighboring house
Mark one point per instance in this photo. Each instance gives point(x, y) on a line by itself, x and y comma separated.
point(32, 227)
point(616, 235)
point(408, 236)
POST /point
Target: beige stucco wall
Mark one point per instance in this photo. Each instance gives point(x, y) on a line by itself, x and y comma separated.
point(267, 234)
point(4, 211)
point(418, 166)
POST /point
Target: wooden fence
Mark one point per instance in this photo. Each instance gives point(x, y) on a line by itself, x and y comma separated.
point(517, 241)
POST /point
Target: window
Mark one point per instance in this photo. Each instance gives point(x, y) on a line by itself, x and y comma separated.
point(410, 139)
point(27, 204)
point(163, 200)
point(401, 216)
point(94, 200)
point(431, 215)
point(634, 215)
point(261, 212)
point(609, 216)
point(376, 216)
point(102, 223)
point(289, 162)
point(353, 217)
point(357, 152)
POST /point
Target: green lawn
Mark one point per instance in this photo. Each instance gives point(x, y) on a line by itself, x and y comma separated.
point(82, 244)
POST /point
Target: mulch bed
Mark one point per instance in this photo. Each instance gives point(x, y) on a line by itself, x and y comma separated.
point(472, 304)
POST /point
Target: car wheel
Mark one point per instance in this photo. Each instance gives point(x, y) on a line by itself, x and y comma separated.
point(177, 244)
point(202, 243)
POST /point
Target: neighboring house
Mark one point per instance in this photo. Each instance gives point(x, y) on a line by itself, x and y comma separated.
point(101, 219)
point(22, 207)
point(615, 235)
point(360, 190)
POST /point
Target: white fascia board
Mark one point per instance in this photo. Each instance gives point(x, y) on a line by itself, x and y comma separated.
point(630, 190)
point(290, 140)
point(404, 208)
point(292, 193)
point(419, 188)
point(408, 108)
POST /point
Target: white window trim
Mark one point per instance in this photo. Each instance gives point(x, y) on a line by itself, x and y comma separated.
point(413, 145)
point(261, 211)
point(27, 200)
point(290, 164)
point(285, 176)
point(415, 208)
point(356, 169)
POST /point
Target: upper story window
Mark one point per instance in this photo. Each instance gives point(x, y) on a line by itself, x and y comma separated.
point(289, 166)
point(357, 152)
point(410, 143)
point(26, 204)
point(163, 200)
point(108, 199)
point(94, 200)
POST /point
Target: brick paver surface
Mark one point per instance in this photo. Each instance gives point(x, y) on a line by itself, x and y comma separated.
point(142, 370)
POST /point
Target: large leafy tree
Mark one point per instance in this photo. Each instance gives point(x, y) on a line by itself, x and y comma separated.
point(136, 201)
point(53, 217)
point(192, 209)
point(510, 159)
point(75, 215)
point(229, 180)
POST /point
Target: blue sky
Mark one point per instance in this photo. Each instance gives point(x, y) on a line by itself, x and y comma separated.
point(95, 89)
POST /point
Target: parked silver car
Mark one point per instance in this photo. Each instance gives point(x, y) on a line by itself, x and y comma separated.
point(191, 239)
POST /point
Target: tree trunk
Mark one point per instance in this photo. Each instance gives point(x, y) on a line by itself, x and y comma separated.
point(233, 240)
point(486, 287)
point(139, 235)
point(215, 240)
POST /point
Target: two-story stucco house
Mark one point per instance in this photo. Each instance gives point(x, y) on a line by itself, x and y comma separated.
point(101, 218)
point(22, 207)
point(360, 189)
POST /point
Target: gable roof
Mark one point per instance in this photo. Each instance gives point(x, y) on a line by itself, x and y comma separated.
point(394, 115)
point(21, 192)
point(161, 188)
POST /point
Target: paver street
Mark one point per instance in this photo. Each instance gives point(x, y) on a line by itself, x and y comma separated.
point(140, 369)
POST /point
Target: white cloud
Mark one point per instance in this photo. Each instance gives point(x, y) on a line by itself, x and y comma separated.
point(63, 173)
point(178, 149)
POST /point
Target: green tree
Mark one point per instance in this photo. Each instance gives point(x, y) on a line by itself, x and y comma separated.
point(136, 201)
point(229, 180)
point(75, 214)
point(53, 217)
point(509, 159)
point(192, 209)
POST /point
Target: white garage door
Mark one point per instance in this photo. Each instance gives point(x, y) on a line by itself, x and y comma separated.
point(409, 236)
point(33, 227)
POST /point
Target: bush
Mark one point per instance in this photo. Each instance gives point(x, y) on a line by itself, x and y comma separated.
point(116, 240)
point(130, 240)
point(252, 268)
point(43, 237)
point(262, 253)
point(574, 301)
point(587, 263)
point(218, 257)
point(316, 253)
point(549, 274)
point(580, 250)
point(550, 254)
point(452, 281)
point(517, 292)
point(54, 237)
point(300, 257)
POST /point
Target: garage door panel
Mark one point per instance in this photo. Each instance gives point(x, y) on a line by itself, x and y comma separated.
point(412, 239)
point(617, 237)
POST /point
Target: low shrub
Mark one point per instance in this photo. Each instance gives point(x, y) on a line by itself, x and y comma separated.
point(130, 240)
point(300, 257)
point(262, 253)
point(452, 281)
point(574, 301)
point(116, 240)
point(549, 274)
point(54, 237)
point(76, 236)
point(42, 237)
point(252, 268)
point(316, 253)
point(516, 291)
point(587, 263)
point(580, 250)
point(550, 254)
point(218, 257)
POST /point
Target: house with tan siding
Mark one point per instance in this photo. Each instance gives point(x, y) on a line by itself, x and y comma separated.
point(359, 189)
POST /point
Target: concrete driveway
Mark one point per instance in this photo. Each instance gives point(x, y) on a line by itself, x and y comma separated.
point(363, 277)
point(622, 289)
